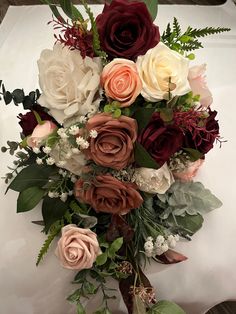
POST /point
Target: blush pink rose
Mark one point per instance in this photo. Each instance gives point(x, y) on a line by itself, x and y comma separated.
point(121, 81)
point(114, 145)
point(41, 133)
point(197, 82)
point(77, 248)
point(190, 172)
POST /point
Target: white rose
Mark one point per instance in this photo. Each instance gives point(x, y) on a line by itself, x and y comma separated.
point(154, 181)
point(74, 164)
point(163, 70)
point(69, 83)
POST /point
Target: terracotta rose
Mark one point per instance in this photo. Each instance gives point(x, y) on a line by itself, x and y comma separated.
point(109, 195)
point(113, 146)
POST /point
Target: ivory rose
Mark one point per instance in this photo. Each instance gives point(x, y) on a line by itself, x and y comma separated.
point(40, 133)
point(121, 81)
point(190, 172)
point(77, 248)
point(113, 146)
point(109, 195)
point(154, 180)
point(197, 82)
point(162, 70)
point(69, 83)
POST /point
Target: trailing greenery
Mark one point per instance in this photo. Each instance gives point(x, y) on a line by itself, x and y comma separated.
point(187, 41)
point(55, 229)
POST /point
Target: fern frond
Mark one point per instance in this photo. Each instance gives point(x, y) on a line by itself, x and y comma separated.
point(203, 32)
point(176, 27)
point(191, 45)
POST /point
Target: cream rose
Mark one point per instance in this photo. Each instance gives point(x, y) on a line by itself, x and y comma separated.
point(197, 81)
point(69, 83)
point(121, 81)
point(162, 70)
point(154, 180)
point(77, 248)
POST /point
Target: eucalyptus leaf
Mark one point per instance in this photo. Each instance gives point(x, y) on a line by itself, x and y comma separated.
point(7, 97)
point(165, 307)
point(191, 223)
point(29, 198)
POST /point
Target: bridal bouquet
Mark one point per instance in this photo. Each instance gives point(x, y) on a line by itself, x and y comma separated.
point(110, 146)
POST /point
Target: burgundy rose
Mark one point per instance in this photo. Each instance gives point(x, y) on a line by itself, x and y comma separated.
point(126, 29)
point(203, 138)
point(161, 140)
point(28, 121)
point(109, 195)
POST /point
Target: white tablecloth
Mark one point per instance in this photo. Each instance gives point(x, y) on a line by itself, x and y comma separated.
point(209, 275)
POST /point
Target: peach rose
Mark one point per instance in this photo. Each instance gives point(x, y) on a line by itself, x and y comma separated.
point(41, 133)
point(121, 81)
point(109, 195)
point(197, 82)
point(190, 172)
point(113, 146)
point(77, 248)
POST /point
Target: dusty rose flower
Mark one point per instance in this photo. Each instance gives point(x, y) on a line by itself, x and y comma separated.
point(40, 133)
point(197, 82)
point(77, 248)
point(190, 172)
point(113, 146)
point(121, 81)
point(109, 195)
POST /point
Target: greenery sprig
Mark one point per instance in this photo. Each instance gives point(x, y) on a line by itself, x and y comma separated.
point(187, 41)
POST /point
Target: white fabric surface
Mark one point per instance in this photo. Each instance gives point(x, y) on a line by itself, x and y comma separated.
point(209, 275)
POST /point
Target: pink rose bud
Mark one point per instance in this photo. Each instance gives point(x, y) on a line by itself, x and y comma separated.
point(197, 82)
point(121, 81)
point(41, 133)
point(190, 172)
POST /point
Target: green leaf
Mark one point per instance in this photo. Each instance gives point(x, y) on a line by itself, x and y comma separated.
point(143, 116)
point(18, 95)
point(152, 6)
point(165, 307)
point(75, 296)
point(71, 10)
point(115, 246)
point(54, 10)
point(7, 97)
point(81, 276)
point(138, 306)
point(103, 311)
point(193, 154)
point(89, 288)
point(80, 308)
point(29, 198)
point(101, 259)
point(191, 223)
point(33, 175)
point(53, 209)
point(143, 159)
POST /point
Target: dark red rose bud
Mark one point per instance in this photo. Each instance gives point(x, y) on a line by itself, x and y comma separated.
point(126, 29)
point(28, 121)
point(161, 140)
point(203, 138)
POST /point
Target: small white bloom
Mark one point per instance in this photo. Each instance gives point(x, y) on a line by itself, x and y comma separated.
point(85, 145)
point(82, 119)
point(39, 161)
point(75, 150)
point(50, 161)
point(56, 194)
point(51, 194)
point(159, 240)
point(176, 236)
point(36, 150)
point(158, 251)
point(63, 197)
point(73, 179)
point(70, 193)
point(148, 246)
point(149, 239)
point(164, 247)
point(171, 241)
point(79, 140)
point(68, 155)
point(47, 149)
point(74, 130)
point(93, 133)
point(62, 133)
